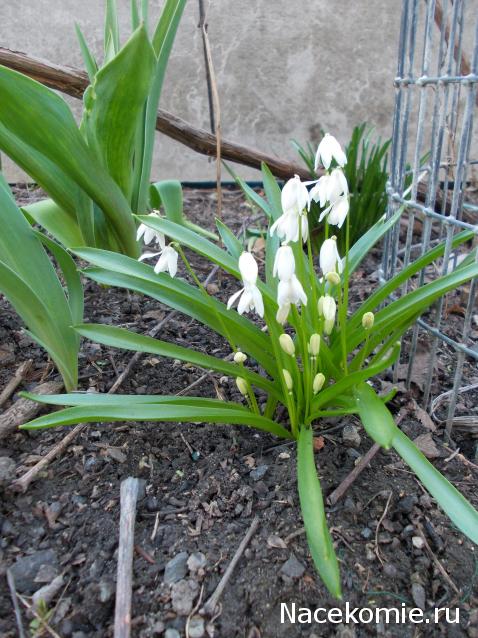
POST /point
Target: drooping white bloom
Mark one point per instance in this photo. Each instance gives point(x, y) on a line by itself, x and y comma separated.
point(168, 260)
point(148, 234)
point(294, 200)
point(327, 150)
point(250, 297)
point(337, 211)
point(290, 291)
point(287, 226)
point(284, 263)
point(329, 187)
point(283, 313)
point(294, 196)
point(329, 258)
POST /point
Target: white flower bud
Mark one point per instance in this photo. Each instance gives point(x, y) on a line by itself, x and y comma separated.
point(314, 344)
point(318, 382)
point(329, 258)
point(242, 386)
point(288, 380)
point(287, 344)
point(333, 278)
point(329, 326)
point(240, 357)
point(368, 320)
point(327, 308)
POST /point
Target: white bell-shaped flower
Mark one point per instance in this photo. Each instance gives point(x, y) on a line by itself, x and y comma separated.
point(294, 196)
point(290, 291)
point(284, 263)
point(149, 234)
point(329, 258)
point(167, 262)
point(329, 187)
point(250, 297)
point(337, 211)
point(294, 200)
point(283, 313)
point(327, 150)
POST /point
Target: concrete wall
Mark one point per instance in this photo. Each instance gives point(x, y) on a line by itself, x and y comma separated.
point(285, 68)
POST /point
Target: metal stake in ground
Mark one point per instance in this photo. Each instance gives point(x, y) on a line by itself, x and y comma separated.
point(124, 578)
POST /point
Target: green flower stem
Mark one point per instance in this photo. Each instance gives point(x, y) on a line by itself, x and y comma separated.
point(204, 291)
point(288, 400)
point(313, 283)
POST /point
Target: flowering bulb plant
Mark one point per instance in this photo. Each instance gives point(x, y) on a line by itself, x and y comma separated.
point(293, 341)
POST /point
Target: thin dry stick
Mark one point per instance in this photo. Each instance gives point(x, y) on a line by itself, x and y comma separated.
point(25, 409)
point(377, 551)
point(15, 381)
point(16, 606)
point(438, 564)
point(210, 606)
point(350, 478)
point(124, 580)
point(217, 115)
point(21, 484)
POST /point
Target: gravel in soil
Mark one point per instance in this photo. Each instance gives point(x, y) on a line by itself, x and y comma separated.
point(196, 508)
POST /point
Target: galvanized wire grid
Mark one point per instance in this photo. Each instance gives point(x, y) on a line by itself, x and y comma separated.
point(432, 170)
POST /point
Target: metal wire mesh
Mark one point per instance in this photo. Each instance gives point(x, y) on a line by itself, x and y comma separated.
point(432, 178)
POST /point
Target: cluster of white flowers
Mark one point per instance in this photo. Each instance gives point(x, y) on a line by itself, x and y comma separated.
point(168, 257)
point(292, 226)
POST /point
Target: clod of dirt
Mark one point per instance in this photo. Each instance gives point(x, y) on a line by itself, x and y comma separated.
point(259, 472)
point(196, 627)
point(7, 470)
point(183, 594)
point(351, 436)
point(26, 569)
point(196, 562)
point(176, 569)
point(292, 568)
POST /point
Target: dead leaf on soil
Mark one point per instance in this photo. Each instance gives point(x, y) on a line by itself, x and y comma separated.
point(319, 443)
point(426, 444)
point(421, 362)
point(276, 542)
point(424, 418)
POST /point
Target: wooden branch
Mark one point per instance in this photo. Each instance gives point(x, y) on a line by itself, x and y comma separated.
point(24, 410)
point(124, 579)
point(74, 82)
point(15, 381)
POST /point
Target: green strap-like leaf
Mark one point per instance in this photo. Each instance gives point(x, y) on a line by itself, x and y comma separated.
point(313, 513)
point(160, 412)
point(88, 58)
point(459, 510)
point(375, 416)
point(42, 120)
point(122, 338)
point(47, 214)
point(163, 40)
point(121, 271)
point(114, 111)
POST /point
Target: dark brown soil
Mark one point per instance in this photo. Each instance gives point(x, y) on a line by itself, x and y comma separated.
point(207, 505)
